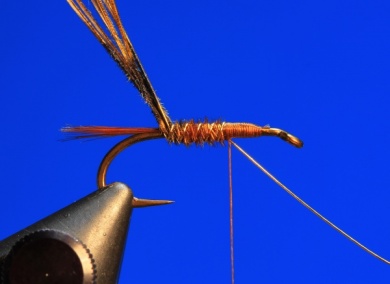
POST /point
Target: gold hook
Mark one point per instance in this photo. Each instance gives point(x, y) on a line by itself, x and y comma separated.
point(110, 156)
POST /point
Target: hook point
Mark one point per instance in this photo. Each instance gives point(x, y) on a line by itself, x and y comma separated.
point(137, 202)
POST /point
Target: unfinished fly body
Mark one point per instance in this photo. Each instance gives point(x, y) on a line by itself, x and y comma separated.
point(190, 132)
point(119, 46)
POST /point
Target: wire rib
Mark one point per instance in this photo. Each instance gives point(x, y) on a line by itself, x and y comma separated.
point(231, 211)
point(315, 212)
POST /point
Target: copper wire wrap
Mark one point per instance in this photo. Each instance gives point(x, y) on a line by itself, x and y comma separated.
point(188, 132)
point(199, 133)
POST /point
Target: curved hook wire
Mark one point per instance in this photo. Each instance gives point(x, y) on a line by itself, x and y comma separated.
point(118, 148)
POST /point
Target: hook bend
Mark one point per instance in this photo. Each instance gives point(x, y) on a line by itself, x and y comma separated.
point(118, 148)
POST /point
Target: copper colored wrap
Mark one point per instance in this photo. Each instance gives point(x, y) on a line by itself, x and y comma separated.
point(187, 132)
point(218, 132)
point(211, 133)
point(241, 130)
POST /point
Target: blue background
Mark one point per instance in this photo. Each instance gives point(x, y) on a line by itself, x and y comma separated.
point(319, 69)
